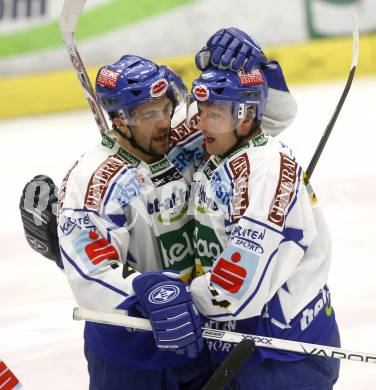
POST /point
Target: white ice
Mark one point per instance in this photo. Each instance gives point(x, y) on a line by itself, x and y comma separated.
point(42, 344)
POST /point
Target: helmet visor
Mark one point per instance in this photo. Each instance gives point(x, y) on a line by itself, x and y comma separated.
point(215, 116)
point(150, 113)
point(161, 105)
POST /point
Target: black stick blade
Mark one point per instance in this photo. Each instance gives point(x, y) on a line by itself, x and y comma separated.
point(231, 365)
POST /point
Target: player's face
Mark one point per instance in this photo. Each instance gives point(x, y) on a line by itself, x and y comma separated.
point(152, 125)
point(217, 125)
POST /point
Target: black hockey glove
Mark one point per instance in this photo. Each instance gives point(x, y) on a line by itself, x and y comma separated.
point(38, 206)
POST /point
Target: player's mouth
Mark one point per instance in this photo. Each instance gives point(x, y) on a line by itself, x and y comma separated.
point(209, 140)
point(161, 139)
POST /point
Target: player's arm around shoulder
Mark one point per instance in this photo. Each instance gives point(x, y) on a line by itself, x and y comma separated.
point(248, 272)
point(93, 237)
point(186, 142)
point(281, 107)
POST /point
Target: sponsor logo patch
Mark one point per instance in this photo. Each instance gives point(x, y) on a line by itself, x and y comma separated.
point(210, 167)
point(108, 142)
point(260, 140)
point(234, 271)
point(182, 159)
point(160, 166)
point(177, 251)
point(314, 308)
point(182, 132)
point(170, 175)
point(201, 93)
point(8, 381)
point(107, 78)
point(100, 179)
point(100, 249)
point(170, 203)
point(206, 244)
point(71, 223)
point(254, 77)
point(204, 202)
point(133, 160)
point(129, 190)
point(163, 294)
point(221, 187)
point(159, 88)
point(284, 190)
point(247, 233)
point(239, 201)
point(250, 245)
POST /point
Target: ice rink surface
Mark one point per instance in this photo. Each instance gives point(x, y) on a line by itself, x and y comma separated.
point(40, 342)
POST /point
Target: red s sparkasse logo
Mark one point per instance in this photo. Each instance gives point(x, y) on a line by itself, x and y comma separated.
point(229, 275)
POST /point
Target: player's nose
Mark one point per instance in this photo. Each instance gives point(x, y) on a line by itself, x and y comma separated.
point(203, 123)
point(164, 122)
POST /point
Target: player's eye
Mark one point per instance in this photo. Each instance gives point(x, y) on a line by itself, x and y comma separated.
point(148, 116)
point(167, 111)
point(214, 115)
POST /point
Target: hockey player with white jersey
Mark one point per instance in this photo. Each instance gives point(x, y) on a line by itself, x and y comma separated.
point(125, 203)
point(262, 245)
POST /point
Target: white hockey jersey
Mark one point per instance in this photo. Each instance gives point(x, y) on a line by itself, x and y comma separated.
point(115, 209)
point(262, 245)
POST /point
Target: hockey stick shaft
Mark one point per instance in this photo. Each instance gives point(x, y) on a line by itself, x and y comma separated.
point(68, 21)
point(329, 128)
point(233, 362)
point(231, 337)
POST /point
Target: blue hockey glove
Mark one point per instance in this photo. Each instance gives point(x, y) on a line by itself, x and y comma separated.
point(230, 48)
point(174, 318)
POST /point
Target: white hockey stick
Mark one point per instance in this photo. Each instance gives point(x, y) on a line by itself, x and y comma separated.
point(68, 22)
point(333, 119)
point(231, 337)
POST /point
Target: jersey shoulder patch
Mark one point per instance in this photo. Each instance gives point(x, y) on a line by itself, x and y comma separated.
point(100, 180)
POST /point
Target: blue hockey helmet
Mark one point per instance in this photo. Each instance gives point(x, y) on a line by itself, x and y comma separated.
point(239, 89)
point(134, 80)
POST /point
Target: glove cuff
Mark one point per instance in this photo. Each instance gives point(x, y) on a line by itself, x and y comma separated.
point(202, 59)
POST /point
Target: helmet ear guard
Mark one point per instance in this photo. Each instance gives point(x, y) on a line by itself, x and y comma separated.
point(247, 112)
point(250, 112)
